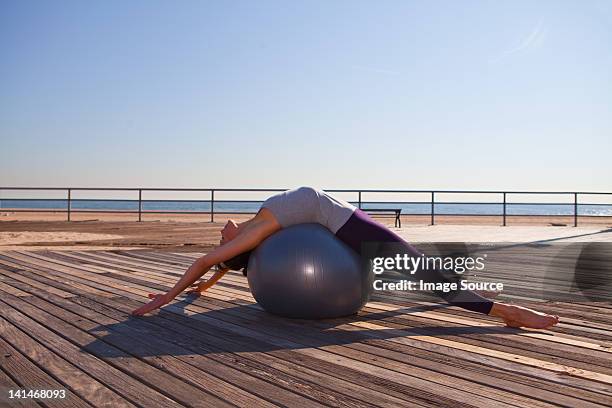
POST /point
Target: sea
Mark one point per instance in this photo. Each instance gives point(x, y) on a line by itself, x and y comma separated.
point(252, 207)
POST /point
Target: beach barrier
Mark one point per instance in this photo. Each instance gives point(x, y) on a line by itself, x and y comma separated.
point(431, 205)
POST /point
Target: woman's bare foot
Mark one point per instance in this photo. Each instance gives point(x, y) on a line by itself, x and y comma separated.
point(518, 316)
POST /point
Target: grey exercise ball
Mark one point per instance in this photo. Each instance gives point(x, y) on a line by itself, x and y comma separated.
point(304, 271)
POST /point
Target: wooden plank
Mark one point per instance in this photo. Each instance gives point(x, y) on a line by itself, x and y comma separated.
point(416, 392)
point(203, 353)
point(127, 386)
point(422, 342)
point(103, 283)
point(127, 271)
point(341, 351)
point(146, 343)
point(182, 258)
point(118, 275)
point(6, 384)
point(546, 335)
point(127, 261)
point(289, 368)
point(561, 309)
point(459, 345)
point(557, 368)
point(502, 339)
point(10, 289)
point(561, 340)
point(135, 269)
point(475, 320)
point(121, 336)
point(581, 327)
point(42, 257)
point(23, 274)
point(568, 328)
point(85, 386)
point(171, 386)
point(10, 272)
point(422, 385)
point(107, 263)
point(479, 373)
point(31, 377)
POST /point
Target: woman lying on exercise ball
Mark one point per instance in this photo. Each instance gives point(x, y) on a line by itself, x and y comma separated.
point(350, 225)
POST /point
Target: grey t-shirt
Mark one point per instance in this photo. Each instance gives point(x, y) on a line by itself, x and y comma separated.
point(306, 204)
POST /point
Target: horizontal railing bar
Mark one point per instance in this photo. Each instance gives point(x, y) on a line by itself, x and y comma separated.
point(475, 203)
point(65, 210)
point(146, 189)
point(261, 201)
point(83, 199)
point(512, 215)
point(328, 190)
point(114, 200)
point(60, 210)
point(579, 204)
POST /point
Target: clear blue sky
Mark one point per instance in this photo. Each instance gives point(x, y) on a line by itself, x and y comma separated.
point(336, 94)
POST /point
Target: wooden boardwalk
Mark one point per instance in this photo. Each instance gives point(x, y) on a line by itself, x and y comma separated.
point(65, 323)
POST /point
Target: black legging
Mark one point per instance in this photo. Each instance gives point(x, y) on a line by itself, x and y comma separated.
point(360, 229)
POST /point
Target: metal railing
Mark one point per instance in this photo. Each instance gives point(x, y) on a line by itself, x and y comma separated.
point(359, 195)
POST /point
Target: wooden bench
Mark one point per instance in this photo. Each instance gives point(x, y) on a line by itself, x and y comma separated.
point(393, 212)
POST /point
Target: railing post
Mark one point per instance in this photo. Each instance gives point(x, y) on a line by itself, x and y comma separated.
point(139, 205)
point(575, 209)
point(212, 205)
point(504, 224)
point(69, 193)
point(432, 207)
point(359, 206)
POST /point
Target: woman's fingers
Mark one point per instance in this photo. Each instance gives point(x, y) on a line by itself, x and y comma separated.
point(140, 311)
point(158, 300)
point(154, 304)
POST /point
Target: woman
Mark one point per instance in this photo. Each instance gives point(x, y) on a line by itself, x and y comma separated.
point(350, 225)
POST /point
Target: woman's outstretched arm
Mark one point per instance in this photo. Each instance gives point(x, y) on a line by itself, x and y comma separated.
point(202, 286)
point(248, 239)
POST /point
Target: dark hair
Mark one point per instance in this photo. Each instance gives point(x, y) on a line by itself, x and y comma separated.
point(239, 262)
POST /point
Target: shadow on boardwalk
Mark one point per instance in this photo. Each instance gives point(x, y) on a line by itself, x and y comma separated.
point(246, 328)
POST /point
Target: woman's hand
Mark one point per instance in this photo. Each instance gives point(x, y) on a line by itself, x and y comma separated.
point(158, 301)
point(195, 290)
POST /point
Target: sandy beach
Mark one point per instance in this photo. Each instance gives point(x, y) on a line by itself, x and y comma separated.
point(190, 232)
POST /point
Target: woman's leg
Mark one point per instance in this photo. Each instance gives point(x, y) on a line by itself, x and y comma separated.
point(360, 228)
